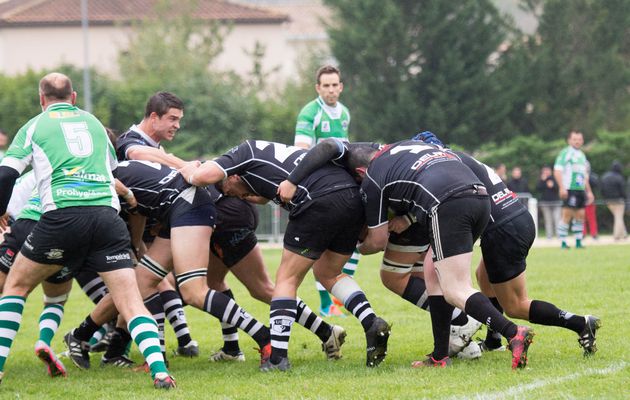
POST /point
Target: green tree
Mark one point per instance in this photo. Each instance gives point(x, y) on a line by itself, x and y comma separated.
point(579, 62)
point(412, 65)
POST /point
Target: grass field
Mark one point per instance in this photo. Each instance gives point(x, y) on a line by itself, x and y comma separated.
point(594, 281)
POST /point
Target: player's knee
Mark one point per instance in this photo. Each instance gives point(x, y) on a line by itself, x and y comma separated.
point(192, 286)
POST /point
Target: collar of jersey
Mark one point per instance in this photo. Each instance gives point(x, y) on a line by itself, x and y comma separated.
point(59, 105)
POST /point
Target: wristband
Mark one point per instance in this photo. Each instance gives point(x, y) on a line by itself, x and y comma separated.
point(190, 179)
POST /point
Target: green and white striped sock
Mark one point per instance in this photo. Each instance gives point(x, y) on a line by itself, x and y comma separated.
point(144, 331)
point(49, 321)
point(11, 308)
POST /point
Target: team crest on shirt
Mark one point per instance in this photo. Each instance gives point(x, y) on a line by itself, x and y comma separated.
point(325, 126)
point(344, 125)
point(281, 325)
point(54, 254)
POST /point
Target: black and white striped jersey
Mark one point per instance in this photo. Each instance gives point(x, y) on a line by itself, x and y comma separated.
point(133, 137)
point(504, 203)
point(156, 187)
point(412, 177)
point(264, 165)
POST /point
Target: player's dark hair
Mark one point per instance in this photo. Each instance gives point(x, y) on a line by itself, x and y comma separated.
point(327, 69)
point(360, 155)
point(111, 134)
point(55, 86)
point(161, 102)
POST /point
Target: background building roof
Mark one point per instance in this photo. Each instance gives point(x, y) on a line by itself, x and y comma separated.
point(107, 12)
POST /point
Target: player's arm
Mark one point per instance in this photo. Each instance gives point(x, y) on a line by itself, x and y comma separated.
point(126, 193)
point(137, 223)
point(148, 153)
point(318, 156)
point(557, 174)
point(257, 200)
point(304, 128)
point(205, 174)
point(375, 241)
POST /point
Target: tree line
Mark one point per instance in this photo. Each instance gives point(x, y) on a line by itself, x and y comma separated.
point(460, 69)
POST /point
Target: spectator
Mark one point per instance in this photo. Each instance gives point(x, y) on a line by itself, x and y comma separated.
point(550, 203)
point(590, 210)
point(501, 170)
point(614, 194)
point(517, 183)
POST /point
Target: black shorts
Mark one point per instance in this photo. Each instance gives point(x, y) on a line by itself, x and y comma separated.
point(235, 234)
point(456, 224)
point(232, 246)
point(201, 212)
point(575, 199)
point(12, 244)
point(414, 239)
point(93, 238)
point(505, 247)
point(331, 222)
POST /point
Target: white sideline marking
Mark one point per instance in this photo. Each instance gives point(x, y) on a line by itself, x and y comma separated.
point(516, 390)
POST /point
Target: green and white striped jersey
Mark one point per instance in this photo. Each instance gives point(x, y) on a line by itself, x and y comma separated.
point(318, 121)
point(71, 156)
point(573, 164)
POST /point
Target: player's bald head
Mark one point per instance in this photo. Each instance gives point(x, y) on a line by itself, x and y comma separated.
point(56, 87)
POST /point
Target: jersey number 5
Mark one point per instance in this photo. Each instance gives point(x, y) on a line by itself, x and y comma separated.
point(78, 138)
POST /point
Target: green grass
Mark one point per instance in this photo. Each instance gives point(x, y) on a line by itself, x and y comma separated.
point(594, 281)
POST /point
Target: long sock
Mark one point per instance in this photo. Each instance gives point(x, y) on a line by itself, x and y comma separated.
point(458, 317)
point(541, 312)
point(480, 308)
point(49, 321)
point(118, 344)
point(577, 228)
point(416, 293)
point(154, 305)
point(282, 314)
point(174, 309)
point(350, 267)
point(143, 330)
point(229, 331)
point(308, 319)
point(347, 290)
point(226, 310)
point(563, 230)
point(93, 288)
point(324, 297)
point(98, 335)
point(11, 309)
point(493, 339)
point(85, 331)
point(441, 313)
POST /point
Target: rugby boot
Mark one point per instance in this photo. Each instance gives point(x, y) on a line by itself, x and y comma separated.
point(54, 366)
point(519, 345)
point(432, 363)
point(190, 350)
point(332, 346)
point(164, 381)
point(587, 336)
point(284, 365)
point(376, 338)
point(221, 355)
point(77, 351)
point(118, 361)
